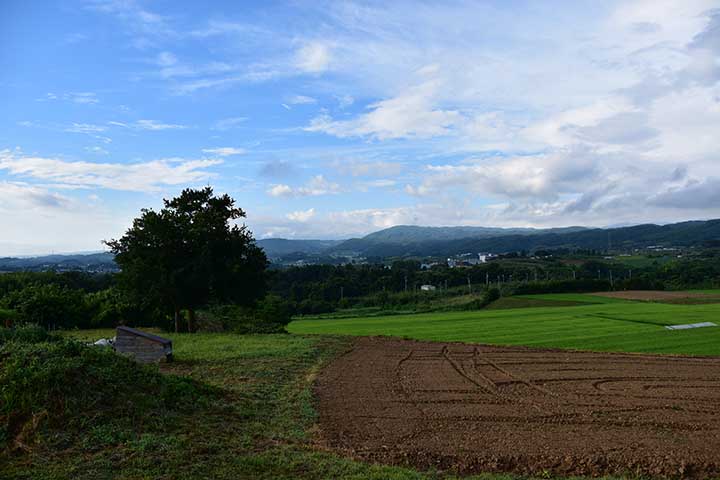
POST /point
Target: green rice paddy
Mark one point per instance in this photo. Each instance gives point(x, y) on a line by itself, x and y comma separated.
point(596, 323)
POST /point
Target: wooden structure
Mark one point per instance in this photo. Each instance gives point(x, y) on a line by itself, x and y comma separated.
point(142, 346)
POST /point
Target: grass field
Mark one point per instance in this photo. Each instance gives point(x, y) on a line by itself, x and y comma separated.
point(261, 424)
point(602, 324)
point(259, 427)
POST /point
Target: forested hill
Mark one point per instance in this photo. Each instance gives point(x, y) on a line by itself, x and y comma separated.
point(280, 246)
point(695, 233)
point(99, 262)
point(414, 234)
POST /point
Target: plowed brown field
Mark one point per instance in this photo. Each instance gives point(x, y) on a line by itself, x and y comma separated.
point(657, 295)
point(482, 408)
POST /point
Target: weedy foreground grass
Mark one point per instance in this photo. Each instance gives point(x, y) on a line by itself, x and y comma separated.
point(255, 421)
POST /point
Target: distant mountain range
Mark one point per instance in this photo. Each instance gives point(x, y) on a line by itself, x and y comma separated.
point(404, 236)
point(403, 241)
point(414, 241)
point(97, 262)
point(275, 247)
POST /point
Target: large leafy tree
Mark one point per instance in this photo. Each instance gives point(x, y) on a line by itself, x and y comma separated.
point(190, 253)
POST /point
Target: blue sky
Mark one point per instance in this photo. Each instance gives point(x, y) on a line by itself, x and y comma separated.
point(335, 119)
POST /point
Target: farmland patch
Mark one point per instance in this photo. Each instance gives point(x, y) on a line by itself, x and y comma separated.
point(479, 408)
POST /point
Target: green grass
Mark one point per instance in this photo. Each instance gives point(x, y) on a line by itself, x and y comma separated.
point(642, 261)
point(259, 427)
point(260, 422)
point(606, 324)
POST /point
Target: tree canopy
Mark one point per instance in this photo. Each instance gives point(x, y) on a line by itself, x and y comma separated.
point(190, 253)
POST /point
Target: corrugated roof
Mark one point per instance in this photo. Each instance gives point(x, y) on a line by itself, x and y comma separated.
point(147, 335)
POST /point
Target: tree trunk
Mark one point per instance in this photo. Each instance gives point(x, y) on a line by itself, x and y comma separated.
point(191, 320)
point(177, 320)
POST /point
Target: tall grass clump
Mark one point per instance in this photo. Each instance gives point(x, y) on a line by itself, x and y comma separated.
point(56, 391)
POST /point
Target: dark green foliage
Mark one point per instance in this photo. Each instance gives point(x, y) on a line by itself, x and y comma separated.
point(111, 307)
point(25, 333)
point(491, 295)
point(57, 390)
point(8, 317)
point(564, 286)
point(87, 282)
point(269, 315)
point(50, 306)
point(190, 253)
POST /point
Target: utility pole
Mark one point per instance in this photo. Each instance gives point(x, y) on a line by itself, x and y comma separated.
point(405, 283)
point(611, 280)
point(342, 293)
point(469, 286)
point(574, 274)
point(487, 278)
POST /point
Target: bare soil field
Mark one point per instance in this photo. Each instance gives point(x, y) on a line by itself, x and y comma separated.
point(476, 408)
point(658, 296)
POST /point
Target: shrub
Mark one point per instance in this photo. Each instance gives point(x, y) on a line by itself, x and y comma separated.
point(50, 306)
point(65, 389)
point(25, 333)
point(269, 315)
point(8, 318)
point(491, 295)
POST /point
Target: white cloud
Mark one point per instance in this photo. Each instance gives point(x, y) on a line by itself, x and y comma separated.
point(301, 215)
point(155, 125)
point(409, 115)
point(344, 101)
point(229, 123)
point(317, 185)
point(166, 59)
point(84, 98)
point(224, 151)
point(96, 150)
point(85, 128)
point(281, 191)
point(139, 177)
point(380, 183)
point(146, 28)
point(39, 221)
point(313, 57)
point(301, 100)
point(359, 168)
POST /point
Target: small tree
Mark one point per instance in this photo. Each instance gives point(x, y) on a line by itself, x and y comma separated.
point(190, 253)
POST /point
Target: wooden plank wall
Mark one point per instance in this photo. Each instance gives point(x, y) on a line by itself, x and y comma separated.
point(142, 349)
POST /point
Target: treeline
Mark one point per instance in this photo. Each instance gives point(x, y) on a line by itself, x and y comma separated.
point(323, 288)
point(67, 300)
point(83, 300)
point(70, 300)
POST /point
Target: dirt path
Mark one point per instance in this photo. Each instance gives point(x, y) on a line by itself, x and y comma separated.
point(482, 408)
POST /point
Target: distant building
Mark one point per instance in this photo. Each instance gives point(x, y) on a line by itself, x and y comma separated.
point(428, 288)
point(428, 266)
